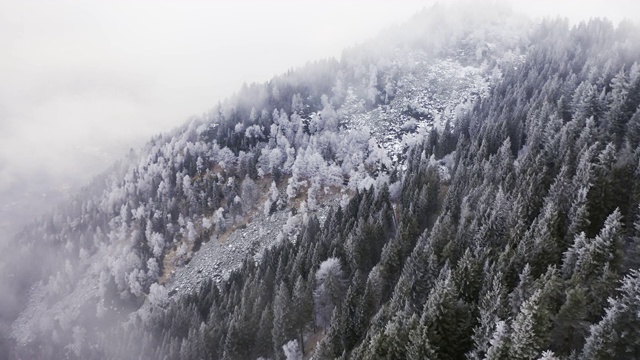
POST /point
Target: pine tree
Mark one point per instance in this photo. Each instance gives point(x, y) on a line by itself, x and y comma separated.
point(418, 346)
point(329, 290)
point(601, 199)
point(364, 245)
point(570, 326)
point(467, 277)
point(615, 336)
point(283, 322)
point(491, 306)
point(530, 329)
point(499, 343)
point(547, 237)
point(264, 338)
point(617, 115)
point(570, 256)
point(236, 345)
point(587, 103)
point(633, 130)
point(599, 252)
point(330, 345)
point(420, 272)
point(302, 307)
point(396, 337)
point(353, 324)
point(579, 213)
point(548, 355)
point(292, 350)
point(446, 319)
point(523, 291)
point(631, 247)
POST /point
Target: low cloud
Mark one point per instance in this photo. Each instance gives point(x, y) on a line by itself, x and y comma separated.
point(84, 81)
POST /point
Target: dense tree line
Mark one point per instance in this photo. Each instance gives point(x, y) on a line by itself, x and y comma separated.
point(528, 251)
point(512, 233)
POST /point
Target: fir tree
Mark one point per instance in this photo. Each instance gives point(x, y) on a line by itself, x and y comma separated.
point(530, 329)
point(615, 336)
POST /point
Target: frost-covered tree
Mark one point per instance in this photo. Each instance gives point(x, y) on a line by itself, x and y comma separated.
point(157, 243)
point(292, 350)
point(153, 269)
point(372, 92)
point(250, 193)
point(615, 336)
point(526, 160)
point(272, 200)
point(219, 220)
point(329, 115)
point(530, 329)
point(283, 326)
point(548, 355)
point(329, 290)
point(499, 343)
point(491, 307)
point(158, 294)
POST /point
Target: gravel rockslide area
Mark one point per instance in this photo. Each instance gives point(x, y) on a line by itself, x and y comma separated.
point(216, 258)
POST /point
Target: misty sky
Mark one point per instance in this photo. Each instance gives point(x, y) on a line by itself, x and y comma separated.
point(82, 81)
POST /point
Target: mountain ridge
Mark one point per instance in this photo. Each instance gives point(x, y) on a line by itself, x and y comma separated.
point(460, 222)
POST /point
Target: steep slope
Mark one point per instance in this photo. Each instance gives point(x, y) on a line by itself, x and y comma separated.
point(492, 263)
point(476, 173)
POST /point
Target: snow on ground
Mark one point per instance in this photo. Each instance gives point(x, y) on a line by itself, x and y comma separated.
point(429, 93)
point(216, 259)
point(42, 316)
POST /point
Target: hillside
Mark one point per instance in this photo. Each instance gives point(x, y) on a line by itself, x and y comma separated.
point(466, 185)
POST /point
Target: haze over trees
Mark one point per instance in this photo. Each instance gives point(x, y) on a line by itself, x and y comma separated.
point(465, 186)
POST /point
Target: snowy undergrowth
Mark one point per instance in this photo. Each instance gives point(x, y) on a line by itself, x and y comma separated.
point(429, 93)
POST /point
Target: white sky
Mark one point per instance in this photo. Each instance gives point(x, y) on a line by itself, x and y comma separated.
point(82, 77)
point(578, 10)
point(82, 80)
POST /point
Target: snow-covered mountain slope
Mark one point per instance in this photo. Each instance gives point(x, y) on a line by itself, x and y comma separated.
point(425, 93)
point(192, 204)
